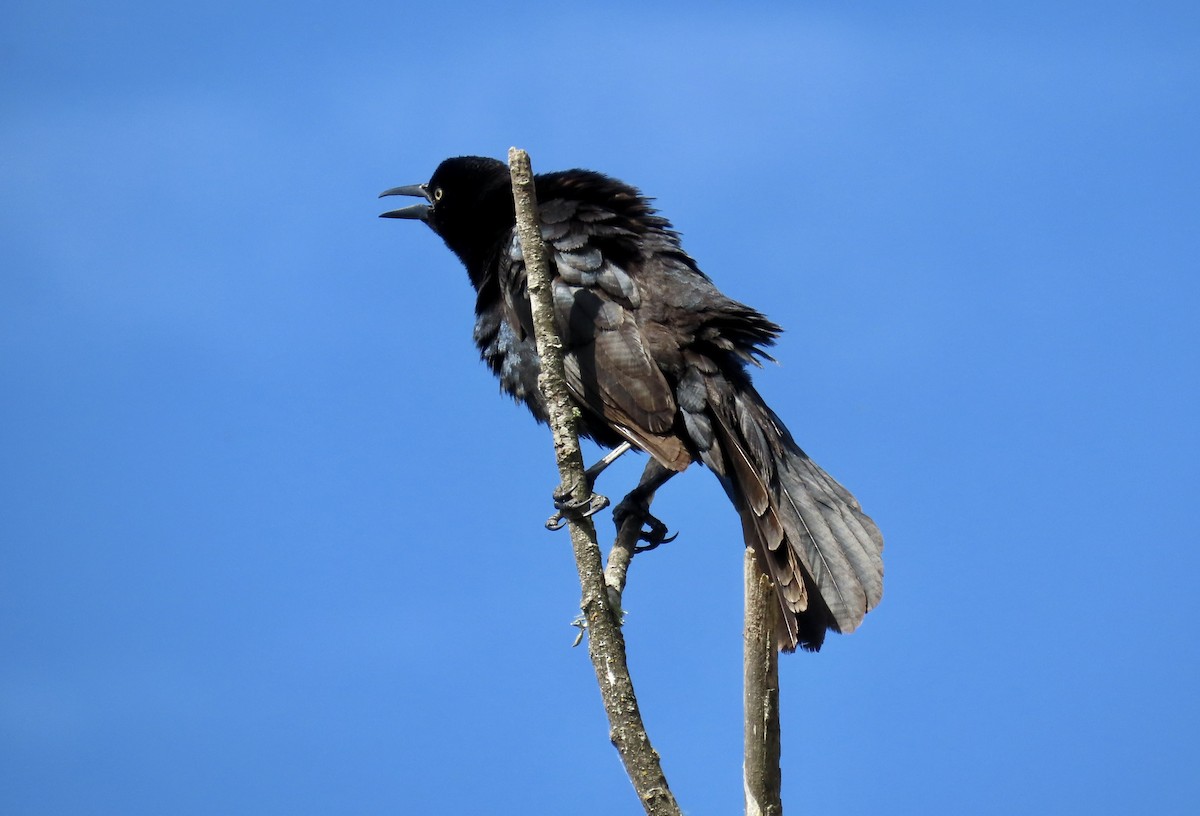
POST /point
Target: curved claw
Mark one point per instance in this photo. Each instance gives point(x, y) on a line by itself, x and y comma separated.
point(654, 539)
point(590, 506)
point(655, 536)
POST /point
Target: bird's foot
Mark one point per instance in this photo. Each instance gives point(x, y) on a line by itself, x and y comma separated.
point(594, 503)
point(654, 532)
point(569, 508)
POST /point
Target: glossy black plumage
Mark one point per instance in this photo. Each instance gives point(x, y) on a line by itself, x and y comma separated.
point(656, 355)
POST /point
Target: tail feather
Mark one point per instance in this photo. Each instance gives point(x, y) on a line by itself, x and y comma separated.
point(823, 554)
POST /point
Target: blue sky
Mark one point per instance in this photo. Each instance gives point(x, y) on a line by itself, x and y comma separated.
point(270, 541)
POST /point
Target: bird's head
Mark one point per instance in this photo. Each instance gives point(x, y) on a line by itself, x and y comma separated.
point(468, 202)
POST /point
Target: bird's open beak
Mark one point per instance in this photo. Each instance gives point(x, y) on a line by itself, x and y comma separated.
point(417, 211)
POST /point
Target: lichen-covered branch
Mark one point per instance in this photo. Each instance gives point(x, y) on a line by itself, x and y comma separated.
point(606, 644)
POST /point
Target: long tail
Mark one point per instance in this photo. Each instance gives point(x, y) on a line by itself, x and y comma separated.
point(823, 554)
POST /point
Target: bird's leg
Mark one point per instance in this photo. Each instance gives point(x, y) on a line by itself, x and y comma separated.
point(595, 502)
point(636, 505)
point(610, 457)
point(630, 516)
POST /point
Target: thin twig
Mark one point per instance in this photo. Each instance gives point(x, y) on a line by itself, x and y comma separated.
point(622, 552)
point(606, 645)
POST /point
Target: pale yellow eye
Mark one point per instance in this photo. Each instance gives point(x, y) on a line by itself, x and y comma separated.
point(437, 194)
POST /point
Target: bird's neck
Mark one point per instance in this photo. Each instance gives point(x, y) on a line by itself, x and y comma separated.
point(484, 233)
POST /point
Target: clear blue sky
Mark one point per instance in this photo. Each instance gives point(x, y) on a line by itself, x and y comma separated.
point(270, 540)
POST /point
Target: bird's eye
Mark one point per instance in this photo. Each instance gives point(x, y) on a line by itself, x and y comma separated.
point(437, 194)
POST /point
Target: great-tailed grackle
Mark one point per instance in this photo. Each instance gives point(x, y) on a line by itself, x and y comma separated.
point(656, 356)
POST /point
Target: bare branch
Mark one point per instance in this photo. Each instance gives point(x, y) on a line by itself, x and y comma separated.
point(606, 645)
point(761, 773)
point(620, 556)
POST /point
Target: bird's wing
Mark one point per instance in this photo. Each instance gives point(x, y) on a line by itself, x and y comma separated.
point(609, 367)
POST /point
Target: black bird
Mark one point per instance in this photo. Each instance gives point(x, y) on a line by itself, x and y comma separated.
point(656, 356)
